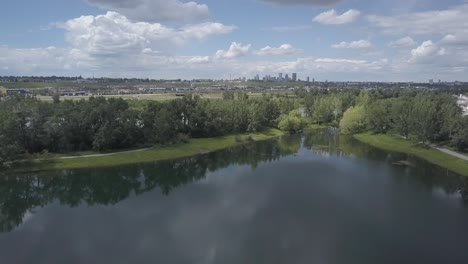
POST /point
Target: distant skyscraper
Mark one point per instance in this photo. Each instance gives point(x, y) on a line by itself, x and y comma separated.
point(286, 77)
point(308, 79)
point(280, 77)
point(294, 77)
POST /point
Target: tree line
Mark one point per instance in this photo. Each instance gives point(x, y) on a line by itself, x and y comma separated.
point(419, 115)
point(28, 125)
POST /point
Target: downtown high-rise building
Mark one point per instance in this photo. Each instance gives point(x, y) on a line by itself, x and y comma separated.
point(280, 77)
point(294, 77)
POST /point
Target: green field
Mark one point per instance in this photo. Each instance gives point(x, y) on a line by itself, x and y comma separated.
point(154, 97)
point(194, 147)
point(394, 143)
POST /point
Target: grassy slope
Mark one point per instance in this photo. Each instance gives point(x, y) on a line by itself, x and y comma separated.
point(393, 143)
point(317, 126)
point(194, 147)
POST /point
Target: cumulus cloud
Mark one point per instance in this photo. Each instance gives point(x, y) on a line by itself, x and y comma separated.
point(436, 22)
point(285, 49)
point(112, 34)
point(235, 50)
point(402, 43)
point(301, 2)
point(359, 44)
point(426, 52)
point(331, 17)
point(155, 10)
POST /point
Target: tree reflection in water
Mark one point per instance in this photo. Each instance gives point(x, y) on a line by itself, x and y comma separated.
point(21, 194)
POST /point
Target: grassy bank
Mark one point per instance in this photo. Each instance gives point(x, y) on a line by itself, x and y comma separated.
point(394, 143)
point(317, 126)
point(194, 147)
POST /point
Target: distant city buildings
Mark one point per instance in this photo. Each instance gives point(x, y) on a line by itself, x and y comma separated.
point(281, 78)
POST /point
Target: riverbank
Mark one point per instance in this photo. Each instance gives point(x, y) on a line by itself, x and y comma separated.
point(394, 143)
point(194, 147)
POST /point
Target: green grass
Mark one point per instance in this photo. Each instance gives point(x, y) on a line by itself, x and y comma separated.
point(317, 126)
point(194, 147)
point(394, 143)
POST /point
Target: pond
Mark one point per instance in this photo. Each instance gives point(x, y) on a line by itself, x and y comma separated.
point(312, 198)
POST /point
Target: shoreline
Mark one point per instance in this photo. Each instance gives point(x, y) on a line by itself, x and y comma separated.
point(182, 150)
point(434, 156)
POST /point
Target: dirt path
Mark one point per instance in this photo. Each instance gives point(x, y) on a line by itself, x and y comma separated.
point(453, 153)
point(103, 155)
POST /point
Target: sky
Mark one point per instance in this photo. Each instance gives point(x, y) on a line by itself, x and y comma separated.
point(335, 40)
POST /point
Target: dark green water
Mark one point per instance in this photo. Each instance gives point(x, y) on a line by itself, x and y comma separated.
point(301, 199)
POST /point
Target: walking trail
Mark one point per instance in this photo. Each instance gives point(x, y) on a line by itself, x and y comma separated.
point(453, 153)
point(103, 155)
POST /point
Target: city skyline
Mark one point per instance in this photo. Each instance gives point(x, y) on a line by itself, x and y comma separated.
point(334, 40)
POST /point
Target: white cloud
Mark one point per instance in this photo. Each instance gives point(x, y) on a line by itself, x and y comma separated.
point(359, 44)
point(426, 52)
point(148, 63)
point(285, 49)
point(402, 43)
point(112, 34)
point(301, 2)
point(330, 17)
point(235, 50)
point(155, 10)
point(455, 40)
point(436, 22)
point(43, 61)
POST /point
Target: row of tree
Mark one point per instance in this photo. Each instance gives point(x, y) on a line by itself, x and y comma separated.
point(426, 117)
point(28, 125)
point(419, 115)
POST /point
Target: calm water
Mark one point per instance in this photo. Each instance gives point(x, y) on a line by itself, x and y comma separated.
point(301, 199)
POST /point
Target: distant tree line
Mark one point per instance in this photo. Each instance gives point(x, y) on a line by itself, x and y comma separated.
point(419, 115)
point(28, 125)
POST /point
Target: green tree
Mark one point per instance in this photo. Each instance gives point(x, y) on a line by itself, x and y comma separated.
point(460, 135)
point(292, 122)
point(422, 118)
point(401, 115)
point(354, 120)
point(379, 116)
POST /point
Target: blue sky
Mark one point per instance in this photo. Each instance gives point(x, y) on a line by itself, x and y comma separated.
point(400, 40)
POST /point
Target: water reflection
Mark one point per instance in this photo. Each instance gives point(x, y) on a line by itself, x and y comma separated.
point(414, 169)
point(20, 195)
